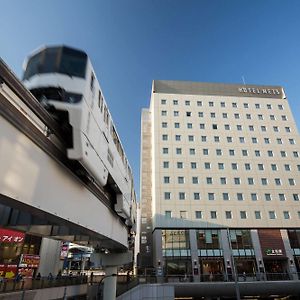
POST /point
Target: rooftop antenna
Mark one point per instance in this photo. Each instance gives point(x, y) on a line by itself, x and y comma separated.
point(243, 78)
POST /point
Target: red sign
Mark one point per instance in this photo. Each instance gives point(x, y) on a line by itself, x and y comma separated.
point(29, 261)
point(8, 271)
point(26, 272)
point(64, 250)
point(11, 236)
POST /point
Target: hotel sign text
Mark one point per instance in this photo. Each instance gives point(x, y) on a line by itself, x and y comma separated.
point(259, 91)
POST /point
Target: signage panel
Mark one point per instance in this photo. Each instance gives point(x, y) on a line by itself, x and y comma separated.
point(11, 236)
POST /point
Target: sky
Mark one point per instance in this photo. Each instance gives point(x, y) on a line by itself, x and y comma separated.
point(132, 42)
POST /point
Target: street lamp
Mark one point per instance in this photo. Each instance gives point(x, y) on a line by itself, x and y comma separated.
point(99, 285)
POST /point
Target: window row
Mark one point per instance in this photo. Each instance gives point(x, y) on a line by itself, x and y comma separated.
point(213, 214)
point(237, 196)
point(222, 104)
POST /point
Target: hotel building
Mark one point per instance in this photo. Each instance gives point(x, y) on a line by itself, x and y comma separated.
point(220, 182)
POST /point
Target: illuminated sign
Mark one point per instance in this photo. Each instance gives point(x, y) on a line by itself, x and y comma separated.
point(29, 261)
point(64, 250)
point(11, 236)
point(250, 90)
point(273, 252)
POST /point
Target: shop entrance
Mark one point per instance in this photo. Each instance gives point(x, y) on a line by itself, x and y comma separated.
point(212, 269)
point(178, 269)
point(276, 269)
point(246, 268)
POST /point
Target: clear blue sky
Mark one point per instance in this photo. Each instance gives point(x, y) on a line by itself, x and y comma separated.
point(132, 42)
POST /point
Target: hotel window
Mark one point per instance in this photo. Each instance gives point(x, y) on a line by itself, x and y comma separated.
point(192, 151)
point(269, 106)
point(163, 112)
point(239, 196)
point(274, 167)
point(165, 164)
point(236, 116)
point(180, 179)
point(287, 167)
point(200, 114)
point(279, 141)
point(287, 129)
point(176, 113)
point(214, 126)
point(179, 165)
point(286, 215)
point(264, 181)
point(234, 105)
point(222, 104)
point(210, 103)
point(193, 165)
point(257, 153)
point(281, 197)
point(246, 105)
point(207, 165)
point(231, 152)
point(196, 196)
point(228, 214)
point(163, 101)
point(191, 138)
point(212, 115)
point(187, 102)
point(291, 181)
point(272, 214)
point(165, 150)
point(292, 141)
point(175, 102)
point(260, 167)
point(251, 127)
point(213, 214)
point(202, 126)
point(227, 127)
point(268, 197)
point(167, 195)
point(267, 140)
point(199, 103)
point(296, 197)
point(164, 137)
point(188, 114)
point(225, 196)
point(221, 166)
point(225, 115)
point(254, 140)
point(272, 117)
point(239, 127)
point(216, 139)
point(253, 196)
point(283, 153)
point(263, 128)
point(298, 167)
point(229, 139)
point(168, 214)
point(280, 106)
point(257, 215)
point(270, 153)
point(295, 154)
point(189, 125)
point(211, 196)
point(209, 180)
point(218, 152)
point(245, 152)
point(164, 124)
point(257, 105)
point(183, 214)
point(247, 166)
point(195, 180)
point(283, 118)
point(234, 166)
point(203, 138)
point(198, 214)
point(205, 151)
point(250, 180)
point(242, 139)
point(223, 180)
point(181, 195)
point(237, 180)
point(177, 137)
point(277, 181)
point(260, 117)
point(166, 179)
point(177, 125)
point(243, 214)
point(275, 129)
point(248, 116)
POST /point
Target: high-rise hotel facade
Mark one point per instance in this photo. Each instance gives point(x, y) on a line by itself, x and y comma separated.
point(220, 182)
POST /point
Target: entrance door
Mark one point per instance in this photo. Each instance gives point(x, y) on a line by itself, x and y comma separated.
point(212, 269)
point(276, 269)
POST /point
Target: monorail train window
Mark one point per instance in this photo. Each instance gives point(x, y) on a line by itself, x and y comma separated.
point(100, 101)
point(92, 81)
point(32, 66)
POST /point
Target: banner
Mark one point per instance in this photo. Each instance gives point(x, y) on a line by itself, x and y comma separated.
point(29, 261)
point(11, 236)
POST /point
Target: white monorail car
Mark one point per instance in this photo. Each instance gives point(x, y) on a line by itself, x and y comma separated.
point(64, 80)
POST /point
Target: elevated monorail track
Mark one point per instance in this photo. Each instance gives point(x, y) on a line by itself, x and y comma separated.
point(18, 119)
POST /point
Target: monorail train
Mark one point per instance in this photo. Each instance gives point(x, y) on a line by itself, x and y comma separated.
point(64, 80)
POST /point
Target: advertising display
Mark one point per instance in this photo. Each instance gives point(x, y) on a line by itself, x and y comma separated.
point(8, 271)
point(11, 236)
point(29, 261)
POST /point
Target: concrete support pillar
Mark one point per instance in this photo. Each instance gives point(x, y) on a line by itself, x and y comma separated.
point(158, 258)
point(110, 283)
point(258, 254)
point(290, 255)
point(194, 255)
point(226, 253)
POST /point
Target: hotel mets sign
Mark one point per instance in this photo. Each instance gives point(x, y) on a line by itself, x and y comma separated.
point(251, 90)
